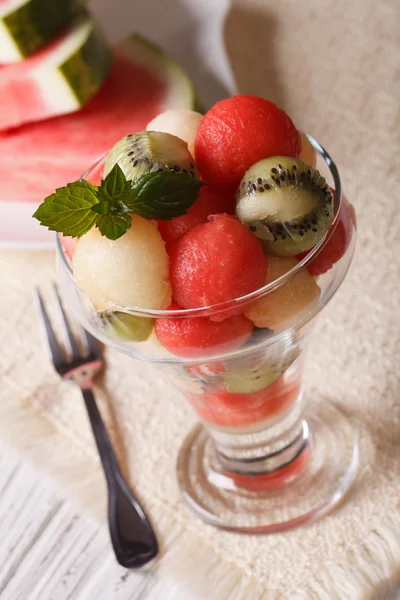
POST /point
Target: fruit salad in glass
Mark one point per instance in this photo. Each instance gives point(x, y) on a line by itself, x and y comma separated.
point(206, 245)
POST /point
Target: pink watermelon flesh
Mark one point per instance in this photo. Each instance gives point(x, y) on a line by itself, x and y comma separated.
point(25, 98)
point(20, 96)
point(38, 158)
point(69, 244)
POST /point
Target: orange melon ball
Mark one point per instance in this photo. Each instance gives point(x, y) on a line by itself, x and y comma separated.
point(282, 306)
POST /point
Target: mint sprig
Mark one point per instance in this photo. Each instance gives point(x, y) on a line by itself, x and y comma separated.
point(76, 208)
point(113, 226)
point(163, 195)
point(69, 210)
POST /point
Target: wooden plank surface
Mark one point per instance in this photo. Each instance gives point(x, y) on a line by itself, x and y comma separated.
point(50, 552)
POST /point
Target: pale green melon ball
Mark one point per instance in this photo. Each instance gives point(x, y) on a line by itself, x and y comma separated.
point(183, 123)
point(130, 271)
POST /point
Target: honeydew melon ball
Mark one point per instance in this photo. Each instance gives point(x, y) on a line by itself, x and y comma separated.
point(180, 122)
point(130, 271)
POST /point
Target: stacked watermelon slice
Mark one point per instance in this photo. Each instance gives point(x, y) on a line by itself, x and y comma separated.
point(66, 98)
point(47, 76)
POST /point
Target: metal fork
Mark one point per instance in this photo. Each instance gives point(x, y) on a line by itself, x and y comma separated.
point(132, 536)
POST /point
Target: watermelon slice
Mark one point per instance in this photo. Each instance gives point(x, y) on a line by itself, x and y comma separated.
point(28, 25)
point(37, 158)
point(40, 157)
point(58, 79)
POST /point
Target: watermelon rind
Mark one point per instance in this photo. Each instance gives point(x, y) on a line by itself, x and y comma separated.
point(86, 70)
point(180, 90)
point(78, 68)
point(62, 78)
point(28, 25)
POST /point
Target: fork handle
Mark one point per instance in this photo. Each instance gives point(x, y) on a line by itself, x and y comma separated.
point(132, 537)
point(103, 443)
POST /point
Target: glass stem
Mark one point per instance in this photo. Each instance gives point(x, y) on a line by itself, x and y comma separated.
point(265, 450)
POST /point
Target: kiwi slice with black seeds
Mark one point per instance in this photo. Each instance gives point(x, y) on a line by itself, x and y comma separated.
point(259, 376)
point(149, 152)
point(130, 327)
point(286, 203)
point(251, 380)
point(122, 326)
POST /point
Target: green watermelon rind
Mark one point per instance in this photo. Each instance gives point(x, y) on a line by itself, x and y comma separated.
point(87, 69)
point(77, 70)
point(32, 25)
point(180, 90)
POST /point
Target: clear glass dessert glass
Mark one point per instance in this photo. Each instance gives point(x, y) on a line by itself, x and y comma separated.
point(265, 457)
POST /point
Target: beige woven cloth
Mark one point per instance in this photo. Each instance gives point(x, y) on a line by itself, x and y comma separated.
point(334, 65)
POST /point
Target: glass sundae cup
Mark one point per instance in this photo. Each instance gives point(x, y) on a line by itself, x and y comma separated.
point(265, 457)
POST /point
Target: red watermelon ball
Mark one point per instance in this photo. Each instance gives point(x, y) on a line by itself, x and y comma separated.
point(338, 243)
point(215, 262)
point(209, 202)
point(196, 336)
point(238, 132)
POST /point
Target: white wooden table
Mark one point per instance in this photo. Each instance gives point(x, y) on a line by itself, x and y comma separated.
point(49, 551)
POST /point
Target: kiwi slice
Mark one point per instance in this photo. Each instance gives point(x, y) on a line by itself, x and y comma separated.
point(121, 326)
point(257, 377)
point(148, 152)
point(286, 203)
point(130, 327)
point(251, 380)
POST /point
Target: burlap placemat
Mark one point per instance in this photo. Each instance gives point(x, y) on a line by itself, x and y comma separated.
point(334, 66)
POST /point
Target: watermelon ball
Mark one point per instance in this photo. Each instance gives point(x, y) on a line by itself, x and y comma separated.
point(225, 409)
point(206, 369)
point(215, 262)
point(193, 337)
point(238, 132)
point(337, 245)
point(210, 201)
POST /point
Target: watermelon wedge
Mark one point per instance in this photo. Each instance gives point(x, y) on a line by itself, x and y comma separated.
point(38, 158)
point(58, 79)
point(28, 25)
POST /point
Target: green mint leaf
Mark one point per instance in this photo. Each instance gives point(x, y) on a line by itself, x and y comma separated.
point(115, 186)
point(76, 208)
point(102, 208)
point(113, 226)
point(111, 207)
point(120, 208)
point(163, 195)
point(69, 209)
point(112, 192)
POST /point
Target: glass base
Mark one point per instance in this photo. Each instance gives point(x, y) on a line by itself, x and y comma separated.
point(299, 492)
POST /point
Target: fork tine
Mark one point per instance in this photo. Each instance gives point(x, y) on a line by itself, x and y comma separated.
point(54, 347)
point(74, 351)
point(92, 345)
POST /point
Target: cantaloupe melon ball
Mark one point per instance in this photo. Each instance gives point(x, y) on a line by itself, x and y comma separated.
point(278, 308)
point(183, 123)
point(130, 271)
